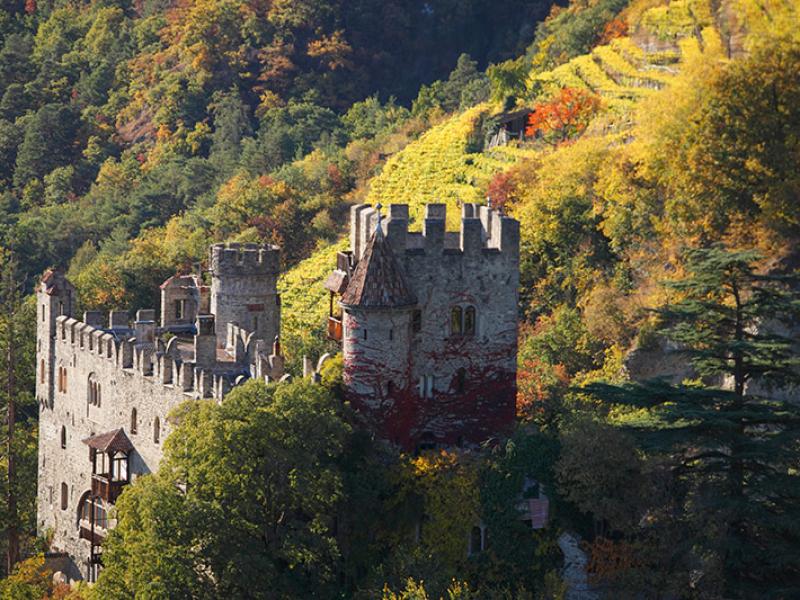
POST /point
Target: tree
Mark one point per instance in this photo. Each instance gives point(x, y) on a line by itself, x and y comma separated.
point(733, 451)
point(47, 143)
point(242, 504)
point(13, 381)
point(563, 117)
point(742, 148)
point(231, 125)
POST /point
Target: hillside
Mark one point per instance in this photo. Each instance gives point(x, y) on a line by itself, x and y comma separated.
point(655, 173)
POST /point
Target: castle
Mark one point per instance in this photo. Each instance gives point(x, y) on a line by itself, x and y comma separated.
point(427, 322)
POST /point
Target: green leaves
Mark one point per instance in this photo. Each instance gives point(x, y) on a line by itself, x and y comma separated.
point(729, 454)
point(243, 500)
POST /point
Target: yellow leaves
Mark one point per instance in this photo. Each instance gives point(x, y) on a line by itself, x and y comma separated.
point(101, 287)
point(448, 483)
point(678, 18)
point(438, 167)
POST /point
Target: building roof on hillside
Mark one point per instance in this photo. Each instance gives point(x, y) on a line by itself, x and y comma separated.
point(110, 441)
point(378, 280)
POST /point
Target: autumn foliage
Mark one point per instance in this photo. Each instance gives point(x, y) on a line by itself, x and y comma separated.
point(563, 117)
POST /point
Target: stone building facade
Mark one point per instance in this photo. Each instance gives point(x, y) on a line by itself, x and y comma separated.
point(428, 324)
point(106, 386)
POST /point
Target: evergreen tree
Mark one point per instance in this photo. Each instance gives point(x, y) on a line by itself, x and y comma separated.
point(18, 450)
point(733, 454)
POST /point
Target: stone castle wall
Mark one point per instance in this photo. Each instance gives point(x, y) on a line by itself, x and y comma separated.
point(85, 353)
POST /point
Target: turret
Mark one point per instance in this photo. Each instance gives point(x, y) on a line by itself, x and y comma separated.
point(244, 289)
point(55, 297)
point(378, 306)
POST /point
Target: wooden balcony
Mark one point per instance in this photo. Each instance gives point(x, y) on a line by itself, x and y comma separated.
point(95, 537)
point(344, 261)
point(106, 489)
point(334, 329)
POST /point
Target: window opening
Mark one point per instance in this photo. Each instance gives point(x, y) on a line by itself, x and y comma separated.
point(456, 315)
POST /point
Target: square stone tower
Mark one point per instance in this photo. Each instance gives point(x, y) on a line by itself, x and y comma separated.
point(244, 289)
point(428, 324)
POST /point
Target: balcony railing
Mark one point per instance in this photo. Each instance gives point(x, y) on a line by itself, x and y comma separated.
point(335, 329)
point(96, 537)
point(108, 490)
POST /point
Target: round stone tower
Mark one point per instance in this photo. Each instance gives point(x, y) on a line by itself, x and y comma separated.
point(244, 289)
point(378, 308)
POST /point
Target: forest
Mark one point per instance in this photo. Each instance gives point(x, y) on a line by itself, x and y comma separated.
point(656, 180)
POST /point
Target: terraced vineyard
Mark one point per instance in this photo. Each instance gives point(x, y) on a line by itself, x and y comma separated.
point(446, 164)
point(439, 167)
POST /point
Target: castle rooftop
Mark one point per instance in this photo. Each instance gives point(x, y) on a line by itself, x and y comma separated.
point(378, 280)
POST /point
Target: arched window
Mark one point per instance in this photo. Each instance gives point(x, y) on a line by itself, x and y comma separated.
point(63, 437)
point(85, 507)
point(456, 316)
point(469, 320)
point(92, 509)
point(156, 431)
point(134, 421)
point(93, 390)
point(64, 496)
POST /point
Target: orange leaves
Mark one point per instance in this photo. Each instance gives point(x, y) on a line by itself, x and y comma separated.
point(608, 559)
point(615, 28)
point(501, 188)
point(333, 50)
point(565, 116)
point(539, 386)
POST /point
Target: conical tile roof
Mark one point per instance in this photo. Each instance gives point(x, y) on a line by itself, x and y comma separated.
point(378, 280)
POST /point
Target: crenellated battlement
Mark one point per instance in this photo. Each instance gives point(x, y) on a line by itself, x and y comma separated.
point(155, 362)
point(483, 229)
point(244, 259)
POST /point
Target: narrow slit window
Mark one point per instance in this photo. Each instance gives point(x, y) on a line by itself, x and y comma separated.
point(461, 380)
point(156, 431)
point(416, 321)
point(134, 421)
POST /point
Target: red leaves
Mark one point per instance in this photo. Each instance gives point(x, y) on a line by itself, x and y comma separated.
point(563, 117)
point(500, 189)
